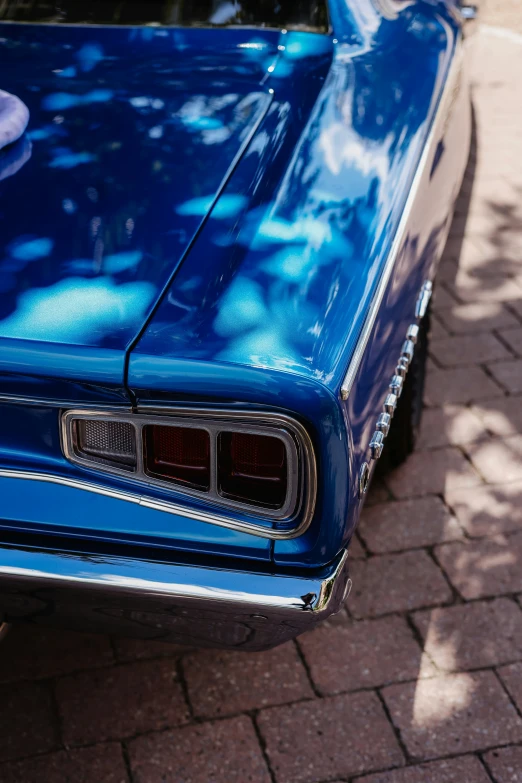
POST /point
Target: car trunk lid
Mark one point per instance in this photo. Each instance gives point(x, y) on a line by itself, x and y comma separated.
point(133, 133)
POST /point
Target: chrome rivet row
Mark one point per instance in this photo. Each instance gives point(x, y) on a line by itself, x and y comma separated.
point(408, 349)
point(390, 403)
point(413, 333)
point(396, 384)
point(377, 444)
point(423, 301)
point(383, 424)
point(364, 479)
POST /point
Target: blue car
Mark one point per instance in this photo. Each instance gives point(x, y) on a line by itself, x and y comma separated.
point(219, 237)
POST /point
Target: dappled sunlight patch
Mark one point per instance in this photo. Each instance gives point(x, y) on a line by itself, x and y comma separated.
point(484, 567)
point(488, 510)
point(437, 700)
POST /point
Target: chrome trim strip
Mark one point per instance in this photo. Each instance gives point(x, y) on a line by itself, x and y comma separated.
point(360, 348)
point(153, 503)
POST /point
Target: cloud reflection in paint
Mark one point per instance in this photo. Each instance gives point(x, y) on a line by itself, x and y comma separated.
point(228, 206)
point(60, 101)
point(31, 249)
point(77, 310)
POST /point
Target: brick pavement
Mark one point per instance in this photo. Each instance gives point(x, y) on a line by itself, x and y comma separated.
point(420, 679)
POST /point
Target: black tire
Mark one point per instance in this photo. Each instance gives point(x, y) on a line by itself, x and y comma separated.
point(406, 422)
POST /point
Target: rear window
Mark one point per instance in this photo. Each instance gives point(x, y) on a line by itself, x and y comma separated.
point(290, 14)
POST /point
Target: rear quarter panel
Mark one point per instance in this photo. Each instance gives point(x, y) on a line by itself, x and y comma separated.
point(280, 323)
point(434, 131)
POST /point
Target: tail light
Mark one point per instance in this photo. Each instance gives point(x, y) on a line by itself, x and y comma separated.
point(252, 469)
point(178, 454)
point(263, 468)
point(111, 443)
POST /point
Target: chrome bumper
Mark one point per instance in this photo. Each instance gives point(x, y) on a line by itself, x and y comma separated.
point(185, 604)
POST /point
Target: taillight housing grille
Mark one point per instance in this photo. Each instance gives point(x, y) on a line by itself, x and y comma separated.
point(264, 467)
point(110, 443)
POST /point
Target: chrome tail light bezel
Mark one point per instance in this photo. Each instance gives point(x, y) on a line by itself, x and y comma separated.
point(289, 521)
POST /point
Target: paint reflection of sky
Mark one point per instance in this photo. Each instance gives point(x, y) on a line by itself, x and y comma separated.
point(228, 206)
point(60, 101)
point(31, 249)
point(290, 275)
point(130, 143)
point(77, 310)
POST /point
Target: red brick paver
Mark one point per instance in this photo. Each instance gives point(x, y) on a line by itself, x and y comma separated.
point(474, 318)
point(408, 524)
point(472, 636)
point(489, 566)
point(450, 425)
point(336, 736)
point(432, 472)
point(508, 375)
point(461, 385)
point(513, 338)
point(511, 676)
point(344, 656)
point(466, 769)
point(98, 764)
point(419, 679)
point(505, 764)
point(59, 652)
point(222, 683)
point(143, 696)
point(395, 583)
point(28, 721)
point(486, 511)
point(501, 417)
point(221, 752)
point(453, 714)
point(498, 460)
point(468, 349)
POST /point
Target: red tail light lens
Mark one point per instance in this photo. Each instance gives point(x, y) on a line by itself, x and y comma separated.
point(178, 454)
point(252, 469)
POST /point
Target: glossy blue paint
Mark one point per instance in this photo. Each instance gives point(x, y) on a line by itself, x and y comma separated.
point(125, 158)
point(41, 507)
point(278, 295)
point(217, 240)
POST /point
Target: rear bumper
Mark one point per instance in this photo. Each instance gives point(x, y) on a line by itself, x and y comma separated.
point(186, 604)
